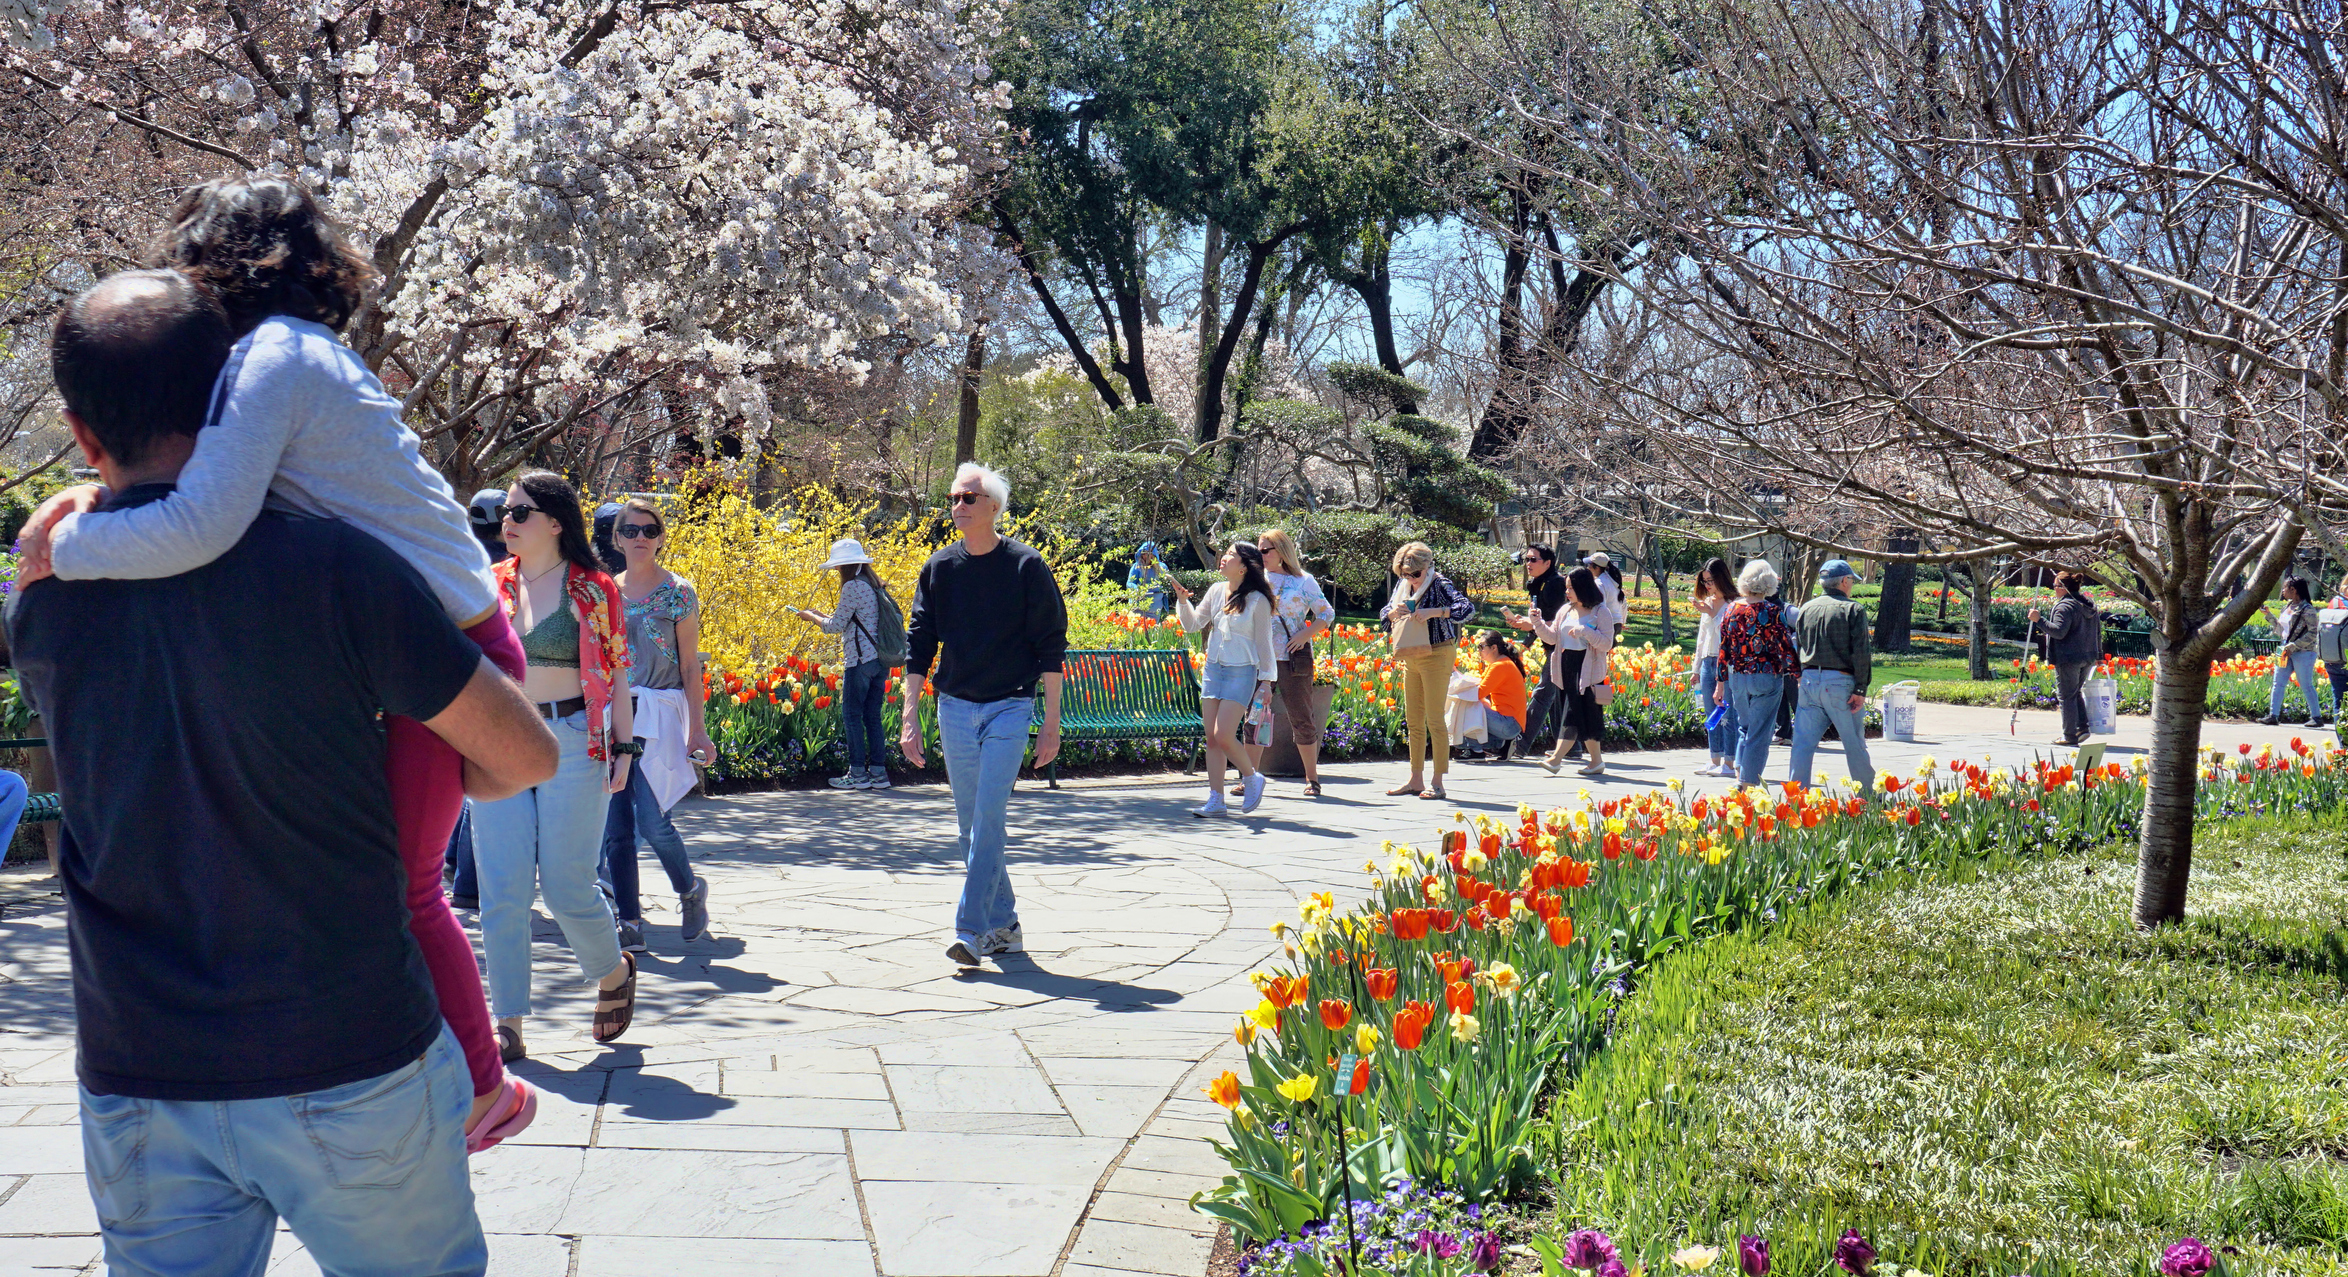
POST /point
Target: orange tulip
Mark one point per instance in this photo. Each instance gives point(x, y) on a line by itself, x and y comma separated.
point(1225, 1090)
point(1285, 991)
point(1410, 924)
point(1382, 982)
point(1335, 1014)
point(1460, 996)
point(1442, 920)
point(1561, 932)
point(1410, 1024)
point(1498, 903)
point(1361, 1077)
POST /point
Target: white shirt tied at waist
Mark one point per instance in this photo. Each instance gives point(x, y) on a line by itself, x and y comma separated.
point(660, 720)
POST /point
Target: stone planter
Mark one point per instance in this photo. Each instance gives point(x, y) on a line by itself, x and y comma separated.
point(1280, 757)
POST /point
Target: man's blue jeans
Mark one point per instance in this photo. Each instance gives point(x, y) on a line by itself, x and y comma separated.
point(370, 1176)
point(1721, 741)
point(1756, 697)
point(1826, 698)
point(984, 743)
point(13, 797)
point(635, 813)
point(2300, 666)
point(861, 690)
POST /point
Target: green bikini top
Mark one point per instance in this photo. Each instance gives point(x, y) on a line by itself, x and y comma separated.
point(554, 641)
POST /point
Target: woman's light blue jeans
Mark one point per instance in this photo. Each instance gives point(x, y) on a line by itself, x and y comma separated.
point(545, 840)
point(1720, 741)
point(2300, 666)
point(1756, 697)
point(984, 742)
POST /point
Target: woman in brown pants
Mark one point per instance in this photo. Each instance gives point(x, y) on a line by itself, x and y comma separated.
point(1303, 613)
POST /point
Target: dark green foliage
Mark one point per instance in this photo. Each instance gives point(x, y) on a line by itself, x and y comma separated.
point(1374, 390)
point(1426, 475)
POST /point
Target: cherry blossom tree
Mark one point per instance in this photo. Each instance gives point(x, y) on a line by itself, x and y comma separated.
point(597, 223)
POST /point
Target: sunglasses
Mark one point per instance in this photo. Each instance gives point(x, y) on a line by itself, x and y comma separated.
point(630, 531)
point(518, 514)
point(964, 498)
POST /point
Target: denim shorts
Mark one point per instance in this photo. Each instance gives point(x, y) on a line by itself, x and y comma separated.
point(1229, 683)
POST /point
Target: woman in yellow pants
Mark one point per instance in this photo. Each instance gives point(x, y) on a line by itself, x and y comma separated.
point(1422, 617)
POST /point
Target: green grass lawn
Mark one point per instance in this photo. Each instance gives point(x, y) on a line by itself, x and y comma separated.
point(1996, 1077)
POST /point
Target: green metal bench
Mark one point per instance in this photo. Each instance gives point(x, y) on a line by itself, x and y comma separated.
point(37, 807)
point(1113, 694)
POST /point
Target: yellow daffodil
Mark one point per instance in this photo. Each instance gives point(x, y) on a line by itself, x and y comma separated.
point(1262, 980)
point(1475, 861)
point(1926, 763)
point(1298, 1089)
point(1676, 784)
point(1464, 1026)
point(1501, 977)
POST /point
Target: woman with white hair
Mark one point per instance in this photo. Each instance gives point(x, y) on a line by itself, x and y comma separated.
point(1422, 619)
point(1756, 654)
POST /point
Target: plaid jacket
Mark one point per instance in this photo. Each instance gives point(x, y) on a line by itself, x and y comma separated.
point(1443, 631)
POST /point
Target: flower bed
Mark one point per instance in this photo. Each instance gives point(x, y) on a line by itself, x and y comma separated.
point(1412, 1034)
point(2238, 687)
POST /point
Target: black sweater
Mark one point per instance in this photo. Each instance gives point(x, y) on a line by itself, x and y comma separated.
point(998, 617)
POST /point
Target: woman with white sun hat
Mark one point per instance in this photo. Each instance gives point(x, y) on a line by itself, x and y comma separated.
point(872, 637)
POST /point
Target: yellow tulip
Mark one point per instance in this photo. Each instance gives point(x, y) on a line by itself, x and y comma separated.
point(1366, 1039)
point(1244, 1032)
point(1298, 1089)
point(1695, 1259)
point(1266, 1017)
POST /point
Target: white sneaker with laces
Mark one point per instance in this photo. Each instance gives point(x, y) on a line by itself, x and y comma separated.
point(1215, 806)
point(1254, 795)
point(853, 780)
point(965, 953)
point(1005, 940)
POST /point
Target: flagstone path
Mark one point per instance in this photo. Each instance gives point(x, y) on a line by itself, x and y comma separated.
point(815, 1089)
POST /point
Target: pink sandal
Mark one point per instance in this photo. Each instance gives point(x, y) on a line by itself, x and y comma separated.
point(508, 1115)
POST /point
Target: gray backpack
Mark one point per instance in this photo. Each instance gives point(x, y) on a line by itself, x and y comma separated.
point(2331, 635)
point(890, 644)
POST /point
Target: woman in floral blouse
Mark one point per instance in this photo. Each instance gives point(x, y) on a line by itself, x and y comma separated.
point(664, 633)
point(1756, 654)
point(545, 840)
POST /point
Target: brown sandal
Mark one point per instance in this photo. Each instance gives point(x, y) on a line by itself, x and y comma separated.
point(509, 1044)
point(620, 1017)
point(1313, 789)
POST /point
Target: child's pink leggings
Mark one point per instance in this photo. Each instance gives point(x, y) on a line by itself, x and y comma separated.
point(427, 792)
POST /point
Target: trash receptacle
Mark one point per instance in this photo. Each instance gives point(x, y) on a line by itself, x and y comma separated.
point(1899, 710)
point(2103, 705)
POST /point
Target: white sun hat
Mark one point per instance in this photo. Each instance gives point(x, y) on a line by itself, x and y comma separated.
point(846, 552)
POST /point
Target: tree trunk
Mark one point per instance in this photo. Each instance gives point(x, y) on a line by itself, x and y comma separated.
point(966, 425)
point(1944, 598)
point(1501, 409)
point(1210, 319)
point(1663, 596)
point(1243, 304)
point(2164, 854)
point(1976, 624)
point(1895, 608)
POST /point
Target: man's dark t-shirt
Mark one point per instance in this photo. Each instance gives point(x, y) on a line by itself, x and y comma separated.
point(997, 617)
point(235, 897)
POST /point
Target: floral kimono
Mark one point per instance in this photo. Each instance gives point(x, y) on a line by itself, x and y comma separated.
point(603, 639)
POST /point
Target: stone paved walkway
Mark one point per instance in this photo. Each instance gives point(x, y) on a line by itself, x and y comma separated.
point(815, 1090)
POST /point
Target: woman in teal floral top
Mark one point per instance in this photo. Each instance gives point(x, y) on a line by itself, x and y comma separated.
point(664, 635)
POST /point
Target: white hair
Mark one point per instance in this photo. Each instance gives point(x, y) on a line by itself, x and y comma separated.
point(989, 482)
point(1757, 579)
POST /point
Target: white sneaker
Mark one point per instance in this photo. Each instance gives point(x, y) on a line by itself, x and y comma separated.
point(876, 780)
point(850, 781)
point(1215, 806)
point(1004, 940)
point(1254, 795)
point(965, 953)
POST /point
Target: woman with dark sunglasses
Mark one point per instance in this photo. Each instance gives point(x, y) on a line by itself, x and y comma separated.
point(664, 674)
point(547, 839)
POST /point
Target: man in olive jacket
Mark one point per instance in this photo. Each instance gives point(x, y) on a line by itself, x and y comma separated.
point(1837, 666)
